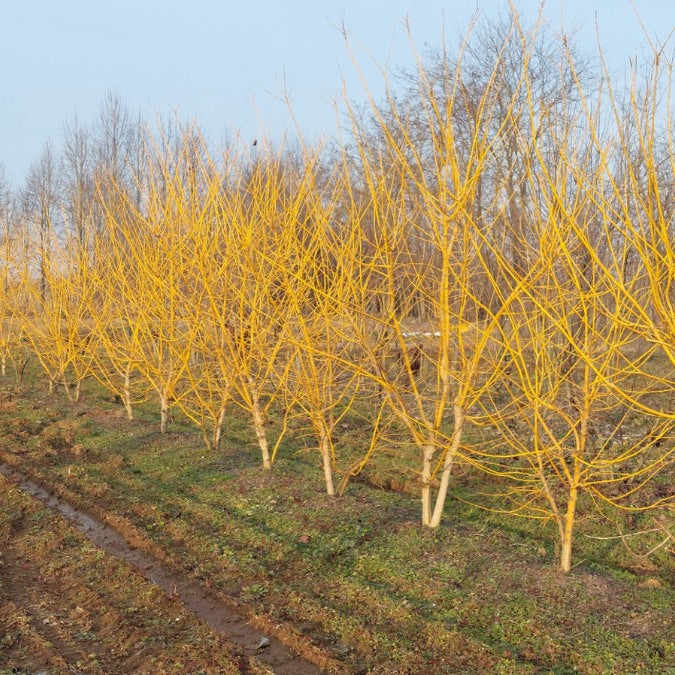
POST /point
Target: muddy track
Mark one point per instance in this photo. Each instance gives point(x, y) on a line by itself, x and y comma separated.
point(198, 600)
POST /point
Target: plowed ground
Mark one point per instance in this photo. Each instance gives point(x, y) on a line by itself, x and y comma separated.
point(67, 606)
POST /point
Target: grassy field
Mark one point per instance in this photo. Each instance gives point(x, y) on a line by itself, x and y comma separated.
point(356, 576)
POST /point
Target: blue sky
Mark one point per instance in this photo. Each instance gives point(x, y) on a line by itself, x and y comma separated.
point(222, 62)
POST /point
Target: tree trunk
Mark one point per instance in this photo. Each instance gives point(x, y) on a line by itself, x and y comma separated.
point(327, 462)
point(164, 412)
point(566, 543)
point(447, 467)
point(127, 394)
point(259, 425)
point(218, 428)
point(66, 388)
point(20, 367)
point(427, 456)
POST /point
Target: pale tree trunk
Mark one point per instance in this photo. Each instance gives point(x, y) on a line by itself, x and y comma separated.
point(324, 439)
point(164, 411)
point(78, 388)
point(427, 457)
point(259, 424)
point(567, 532)
point(447, 466)
point(66, 387)
point(127, 394)
point(568, 527)
point(218, 428)
point(3, 364)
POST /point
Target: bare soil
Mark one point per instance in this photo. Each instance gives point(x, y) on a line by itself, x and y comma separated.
point(56, 616)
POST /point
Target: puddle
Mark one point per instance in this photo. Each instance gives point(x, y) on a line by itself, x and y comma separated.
point(194, 597)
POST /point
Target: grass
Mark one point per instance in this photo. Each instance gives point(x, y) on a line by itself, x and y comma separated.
point(356, 575)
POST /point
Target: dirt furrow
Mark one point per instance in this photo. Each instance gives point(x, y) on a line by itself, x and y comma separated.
point(194, 597)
